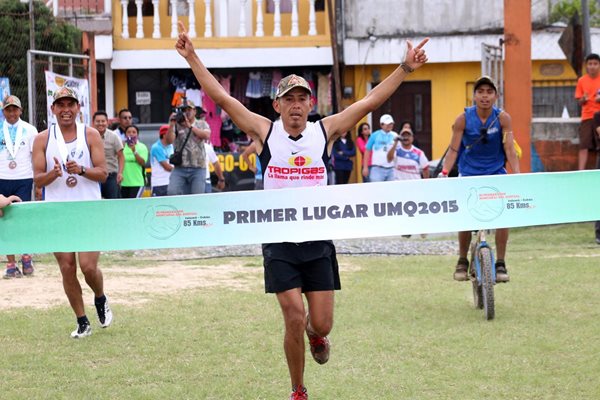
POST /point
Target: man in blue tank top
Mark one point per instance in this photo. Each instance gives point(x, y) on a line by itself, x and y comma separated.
point(482, 141)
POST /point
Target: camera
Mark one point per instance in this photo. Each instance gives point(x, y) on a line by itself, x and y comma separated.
point(180, 116)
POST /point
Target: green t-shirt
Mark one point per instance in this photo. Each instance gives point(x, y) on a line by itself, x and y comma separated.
point(132, 172)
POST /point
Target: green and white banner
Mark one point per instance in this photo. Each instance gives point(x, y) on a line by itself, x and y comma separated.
point(303, 214)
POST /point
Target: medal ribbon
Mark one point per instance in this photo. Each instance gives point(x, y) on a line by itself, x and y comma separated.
point(62, 146)
point(13, 148)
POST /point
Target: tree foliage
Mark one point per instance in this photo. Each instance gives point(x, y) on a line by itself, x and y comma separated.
point(50, 35)
point(564, 10)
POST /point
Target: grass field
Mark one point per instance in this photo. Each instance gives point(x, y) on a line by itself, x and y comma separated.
point(403, 330)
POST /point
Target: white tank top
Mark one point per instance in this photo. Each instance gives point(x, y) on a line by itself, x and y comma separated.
point(295, 162)
point(62, 188)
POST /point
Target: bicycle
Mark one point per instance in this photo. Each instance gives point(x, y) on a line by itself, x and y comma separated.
point(483, 275)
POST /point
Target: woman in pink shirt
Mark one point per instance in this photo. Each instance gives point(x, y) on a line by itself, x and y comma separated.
point(362, 137)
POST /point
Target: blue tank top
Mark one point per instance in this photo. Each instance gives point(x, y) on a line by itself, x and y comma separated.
point(479, 156)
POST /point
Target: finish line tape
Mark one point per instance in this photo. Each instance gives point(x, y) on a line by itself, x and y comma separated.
point(303, 214)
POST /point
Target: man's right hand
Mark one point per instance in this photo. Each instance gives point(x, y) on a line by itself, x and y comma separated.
point(365, 171)
point(57, 169)
point(184, 45)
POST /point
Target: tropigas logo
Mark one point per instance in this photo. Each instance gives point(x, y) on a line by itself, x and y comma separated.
point(299, 161)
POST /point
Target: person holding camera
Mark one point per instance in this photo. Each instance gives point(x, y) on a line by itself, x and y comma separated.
point(482, 141)
point(134, 172)
point(187, 134)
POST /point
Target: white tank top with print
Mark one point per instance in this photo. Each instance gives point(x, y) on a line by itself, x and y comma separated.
point(295, 162)
point(62, 188)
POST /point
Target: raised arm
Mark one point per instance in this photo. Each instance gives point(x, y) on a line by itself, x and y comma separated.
point(256, 126)
point(336, 124)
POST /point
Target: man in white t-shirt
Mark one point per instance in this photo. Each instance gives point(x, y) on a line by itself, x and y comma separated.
point(16, 174)
point(159, 162)
point(409, 161)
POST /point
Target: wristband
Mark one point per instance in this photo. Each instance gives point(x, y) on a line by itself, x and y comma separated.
point(406, 68)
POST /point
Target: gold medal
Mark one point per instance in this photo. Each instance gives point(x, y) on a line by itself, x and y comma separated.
point(71, 181)
point(12, 164)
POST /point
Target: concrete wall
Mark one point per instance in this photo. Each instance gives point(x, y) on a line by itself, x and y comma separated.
point(385, 18)
point(554, 145)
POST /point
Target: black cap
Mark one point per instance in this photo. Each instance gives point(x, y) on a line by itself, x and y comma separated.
point(485, 80)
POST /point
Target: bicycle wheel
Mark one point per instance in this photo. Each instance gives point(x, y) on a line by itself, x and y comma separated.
point(477, 297)
point(487, 282)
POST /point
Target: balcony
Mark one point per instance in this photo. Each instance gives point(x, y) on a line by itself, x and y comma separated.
point(232, 22)
point(228, 32)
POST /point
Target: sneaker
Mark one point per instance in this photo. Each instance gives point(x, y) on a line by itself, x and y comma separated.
point(299, 394)
point(27, 264)
point(105, 315)
point(501, 272)
point(319, 346)
point(82, 331)
point(461, 271)
point(12, 271)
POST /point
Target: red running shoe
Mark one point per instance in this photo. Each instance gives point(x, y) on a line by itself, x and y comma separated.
point(319, 346)
point(299, 394)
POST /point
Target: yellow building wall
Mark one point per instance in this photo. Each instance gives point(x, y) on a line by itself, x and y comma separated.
point(121, 98)
point(448, 93)
point(451, 86)
point(552, 70)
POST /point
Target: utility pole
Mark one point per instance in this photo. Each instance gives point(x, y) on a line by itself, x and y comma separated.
point(587, 42)
point(517, 73)
point(31, 59)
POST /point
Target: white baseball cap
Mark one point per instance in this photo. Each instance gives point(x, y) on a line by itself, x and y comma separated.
point(386, 119)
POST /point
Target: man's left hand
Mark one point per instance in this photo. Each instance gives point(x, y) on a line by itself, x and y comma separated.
point(415, 56)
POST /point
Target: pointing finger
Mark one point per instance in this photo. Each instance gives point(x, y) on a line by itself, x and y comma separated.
point(181, 27)
point(422, 43)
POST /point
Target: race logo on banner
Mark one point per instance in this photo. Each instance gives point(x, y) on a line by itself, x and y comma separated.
point(80, 86)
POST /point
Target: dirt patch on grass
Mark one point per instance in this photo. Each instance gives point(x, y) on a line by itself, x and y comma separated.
point(130, 283)
point(134, 278)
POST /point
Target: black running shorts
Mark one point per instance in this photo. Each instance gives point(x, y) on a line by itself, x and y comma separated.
point(311, 266)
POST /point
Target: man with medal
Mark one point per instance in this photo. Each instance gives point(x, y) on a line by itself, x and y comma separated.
point(69, 164)
point(16, 174)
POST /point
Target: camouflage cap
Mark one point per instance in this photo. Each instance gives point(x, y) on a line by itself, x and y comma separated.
point(12, 101)
point(485, 80)
point(187, 104)
point(290, 82)
point(65, 93)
